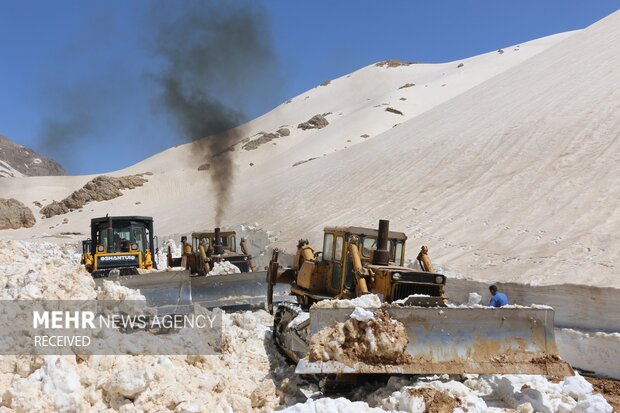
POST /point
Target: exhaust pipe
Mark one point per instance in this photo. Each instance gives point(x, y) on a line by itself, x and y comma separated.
point(218, 249)
point(381, 256)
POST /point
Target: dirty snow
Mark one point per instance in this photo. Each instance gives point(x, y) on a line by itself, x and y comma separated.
point(249, 374)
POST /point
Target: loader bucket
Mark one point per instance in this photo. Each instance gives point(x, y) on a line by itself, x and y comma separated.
point(457, 341)
point(235, 291)
point(169, 292)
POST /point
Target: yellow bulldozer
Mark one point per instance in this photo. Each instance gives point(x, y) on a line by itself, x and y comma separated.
point(122, 249)
point(123, 243)
point(440, 338)
point(209, 248)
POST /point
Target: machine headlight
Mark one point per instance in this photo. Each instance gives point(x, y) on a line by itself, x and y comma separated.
point(100, 248)
point(397, 276)
point(438, 279)
point(134, 246)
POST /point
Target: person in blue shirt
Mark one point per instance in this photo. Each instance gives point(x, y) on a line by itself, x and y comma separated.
point(498, 299)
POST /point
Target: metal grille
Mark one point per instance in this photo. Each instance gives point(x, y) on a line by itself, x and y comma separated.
point(405, 290)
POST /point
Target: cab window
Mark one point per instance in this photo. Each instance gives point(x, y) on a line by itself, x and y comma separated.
point(225, 242)
point(328, 247)
point(139, 238)
point(399, 253)
point(338, 250)
point(367, 245)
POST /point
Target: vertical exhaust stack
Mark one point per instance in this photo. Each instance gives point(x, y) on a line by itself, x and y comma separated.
point(218, 249)
point(381, 256)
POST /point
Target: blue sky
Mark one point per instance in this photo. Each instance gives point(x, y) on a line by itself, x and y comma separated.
point(100, 53)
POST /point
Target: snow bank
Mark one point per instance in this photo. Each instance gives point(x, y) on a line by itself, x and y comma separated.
point(258, 241)
point(598, 352)
point(32, 271)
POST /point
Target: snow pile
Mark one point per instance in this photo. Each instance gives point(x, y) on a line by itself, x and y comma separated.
point(112, 290)
point(364, 301)
point(249, 374)
point(224, 267)
point(257, 240)
point(410, 298)
point(33, 271)
point(487, 393)
point(162, 254)
point(373, 338)
point(361, 314)
point(339, 405)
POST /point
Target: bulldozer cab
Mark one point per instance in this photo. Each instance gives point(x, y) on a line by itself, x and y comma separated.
point(122, 242)
point(335, 255)
point(207, 240)
point(357, 260)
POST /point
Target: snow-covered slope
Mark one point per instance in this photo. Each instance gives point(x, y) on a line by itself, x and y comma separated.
point(505, 166)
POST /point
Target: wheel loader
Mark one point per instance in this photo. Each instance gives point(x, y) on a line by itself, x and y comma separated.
point(439, 338)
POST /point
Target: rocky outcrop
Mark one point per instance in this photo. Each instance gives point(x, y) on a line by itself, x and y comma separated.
point(394, 63)
point(16, 160)
point(265, 138)
point(283, 131)
point(102, 188)
point(315, 122)
point(14, 215)
point(392, 110)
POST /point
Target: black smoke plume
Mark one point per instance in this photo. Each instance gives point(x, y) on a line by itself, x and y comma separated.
point(60, 135)
point(218, 56)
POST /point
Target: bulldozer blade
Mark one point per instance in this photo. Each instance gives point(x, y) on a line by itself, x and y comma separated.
point(453, 340)
point(169, 292)
point(235, 291)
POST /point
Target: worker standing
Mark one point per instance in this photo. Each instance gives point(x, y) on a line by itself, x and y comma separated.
point(498, 299)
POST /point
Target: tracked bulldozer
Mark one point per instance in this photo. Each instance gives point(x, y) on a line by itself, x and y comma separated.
point(210, 249)
point(121, 246)
point(121, 249)
point(436, 337)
